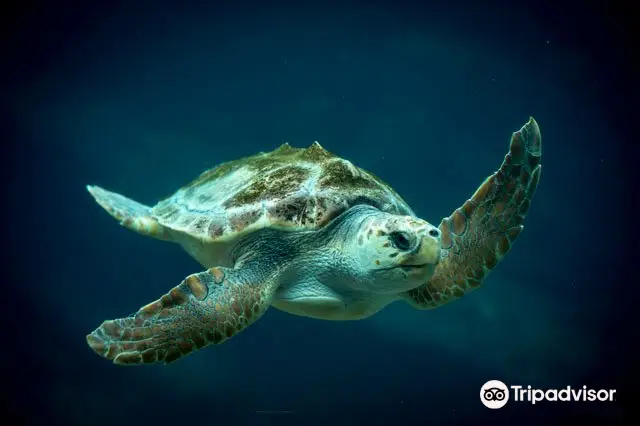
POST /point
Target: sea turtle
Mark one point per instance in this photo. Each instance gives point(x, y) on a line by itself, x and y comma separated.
point(311, 234)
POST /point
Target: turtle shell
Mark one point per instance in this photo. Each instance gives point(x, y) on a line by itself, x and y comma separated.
point(288, 188)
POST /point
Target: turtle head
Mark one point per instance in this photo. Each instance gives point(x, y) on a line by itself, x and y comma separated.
point(398, 253)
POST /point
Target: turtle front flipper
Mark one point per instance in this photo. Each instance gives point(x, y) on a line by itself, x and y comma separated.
point(480, 233)
point(206, 308)
point(131, 214)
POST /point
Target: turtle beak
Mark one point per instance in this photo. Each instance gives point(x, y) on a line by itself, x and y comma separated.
point(428, 249)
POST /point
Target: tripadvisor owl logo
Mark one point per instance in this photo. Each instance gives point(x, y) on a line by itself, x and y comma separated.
point(495, 394)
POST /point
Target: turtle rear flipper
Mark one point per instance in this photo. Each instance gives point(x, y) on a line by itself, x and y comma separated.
point(480, 233)
point(131, 214)
point(206, 308)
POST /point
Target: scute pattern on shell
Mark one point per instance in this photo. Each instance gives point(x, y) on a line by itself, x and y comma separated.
point(288, 188)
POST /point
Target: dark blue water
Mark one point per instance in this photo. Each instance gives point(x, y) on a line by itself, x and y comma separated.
point(142, 98)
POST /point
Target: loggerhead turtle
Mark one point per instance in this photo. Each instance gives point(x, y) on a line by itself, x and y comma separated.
point(310, 234)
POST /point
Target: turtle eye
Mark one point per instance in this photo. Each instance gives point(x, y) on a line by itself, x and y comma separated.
point(401, 240)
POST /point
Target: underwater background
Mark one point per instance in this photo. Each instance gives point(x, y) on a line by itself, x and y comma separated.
point(140, 97)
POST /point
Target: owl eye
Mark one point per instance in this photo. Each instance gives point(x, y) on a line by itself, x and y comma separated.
point(401, 240)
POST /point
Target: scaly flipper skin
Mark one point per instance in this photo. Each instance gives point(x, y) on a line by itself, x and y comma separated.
point(480, 233)
point(131, 214)
point(206, 308)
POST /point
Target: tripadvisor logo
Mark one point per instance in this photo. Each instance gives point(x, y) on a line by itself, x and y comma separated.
point(495, 394)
